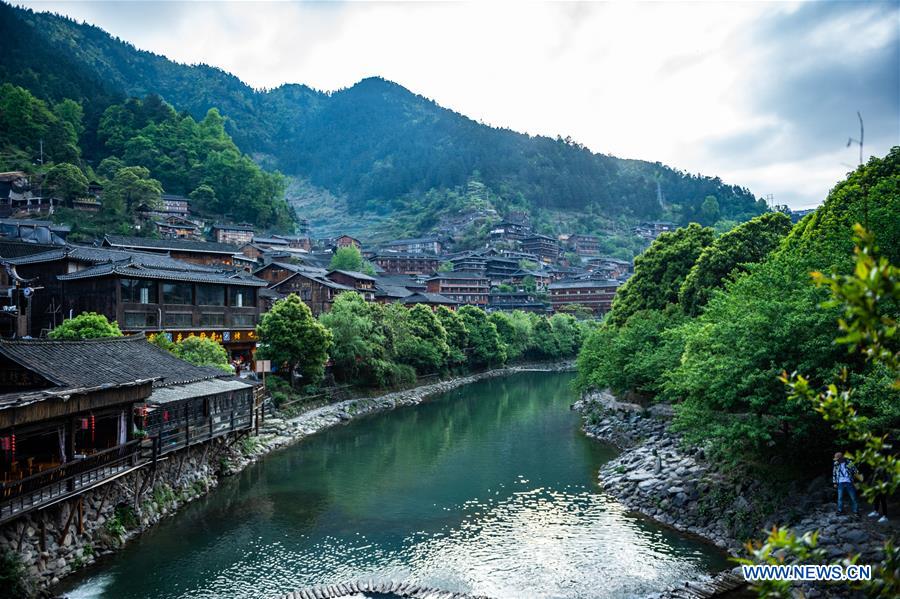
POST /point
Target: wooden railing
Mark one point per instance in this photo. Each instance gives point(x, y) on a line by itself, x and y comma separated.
point(67, 479)
point(184, 432)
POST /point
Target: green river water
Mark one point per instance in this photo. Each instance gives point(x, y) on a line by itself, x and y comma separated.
point(490, 488)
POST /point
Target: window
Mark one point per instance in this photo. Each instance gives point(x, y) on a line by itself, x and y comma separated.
point(178, 293)
point(243, 320)
point(138, 291)
point(210, 295)
point(141, 320)
point(241, 297)
point(179, 319)
point(212, 319)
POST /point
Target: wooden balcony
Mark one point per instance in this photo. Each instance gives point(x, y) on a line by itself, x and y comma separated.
point(50, 486)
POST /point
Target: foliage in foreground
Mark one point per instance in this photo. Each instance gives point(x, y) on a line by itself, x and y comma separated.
point(868, 299)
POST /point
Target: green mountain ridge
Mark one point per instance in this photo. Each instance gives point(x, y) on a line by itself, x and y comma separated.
point(379, 148)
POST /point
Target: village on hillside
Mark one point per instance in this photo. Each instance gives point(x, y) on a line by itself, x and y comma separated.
point(180, 276)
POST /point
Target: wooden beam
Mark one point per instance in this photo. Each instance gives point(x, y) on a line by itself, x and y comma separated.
point(81, 514)
point(65, 530)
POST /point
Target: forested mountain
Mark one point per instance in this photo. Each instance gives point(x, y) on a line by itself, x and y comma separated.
point(376, 146)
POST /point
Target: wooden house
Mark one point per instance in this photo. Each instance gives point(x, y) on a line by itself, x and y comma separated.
point(196, 252)
point(75, 415)
point(233, 234)
point(145, 292)
point(311, 284)
point(462, 287)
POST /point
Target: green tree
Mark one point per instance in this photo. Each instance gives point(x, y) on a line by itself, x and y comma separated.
point(289, 335)
point(660, 271)
point(204, 198)
point(419, 338)
point(71, 112)
point(457, 335)
point(485, 346)
point(544, 345)
point(203, 352)
point(13, 577)
point(515, 332)
point(28, 124)
point(567, 334)
point(358, 338)
point(130, 187)
point(529, 284)
point(747, 243)
point(350, 258)
point(445, 267)
point(634, 357)
point(66, 181)
point(87, 325)
point(769, 320)
point(709, 210)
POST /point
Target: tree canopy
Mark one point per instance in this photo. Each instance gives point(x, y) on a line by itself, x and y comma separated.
point(350, 258)
point(747, 243)
point(660, 272)
point(289, 335)
point(87, 325)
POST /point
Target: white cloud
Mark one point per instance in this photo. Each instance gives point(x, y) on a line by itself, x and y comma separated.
point(693, 85)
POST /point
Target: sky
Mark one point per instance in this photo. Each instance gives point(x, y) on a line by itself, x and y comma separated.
point(763, 94)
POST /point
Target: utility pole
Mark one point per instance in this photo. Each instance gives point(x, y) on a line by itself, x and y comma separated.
point(859, 141)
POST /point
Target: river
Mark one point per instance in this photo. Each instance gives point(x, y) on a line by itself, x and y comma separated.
point(490, 488)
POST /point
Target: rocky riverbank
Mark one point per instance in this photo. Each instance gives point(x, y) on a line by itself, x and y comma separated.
point(657, 476)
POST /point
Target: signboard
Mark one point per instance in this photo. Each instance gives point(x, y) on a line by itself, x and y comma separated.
point(220, 336)
point(263, 365)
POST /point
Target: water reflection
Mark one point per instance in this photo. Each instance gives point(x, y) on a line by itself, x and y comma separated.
point(488, 489)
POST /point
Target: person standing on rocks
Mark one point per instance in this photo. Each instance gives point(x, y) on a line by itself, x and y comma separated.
point(842, 474)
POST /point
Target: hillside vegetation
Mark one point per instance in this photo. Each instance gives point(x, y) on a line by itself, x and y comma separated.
point(376, 146)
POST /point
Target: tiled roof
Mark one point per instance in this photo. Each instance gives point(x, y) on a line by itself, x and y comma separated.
point(270, 240)
point(199, 389)
point(141, 271)
point(392, 291)
point(588, 283)
point(233, 227)
point(15, 248)
point(95, 255)
point(422, 297)
point(313, 274)
point(354, 274)
point(179, 245)
point(457, 275)
point(112, 361)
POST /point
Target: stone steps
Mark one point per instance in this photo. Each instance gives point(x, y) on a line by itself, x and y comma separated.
point(398, 589)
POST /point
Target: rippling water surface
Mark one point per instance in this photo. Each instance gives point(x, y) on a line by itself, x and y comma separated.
point(488, 489)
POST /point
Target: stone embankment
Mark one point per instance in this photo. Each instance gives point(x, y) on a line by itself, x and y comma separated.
point(657, 476)
point(60, 539)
